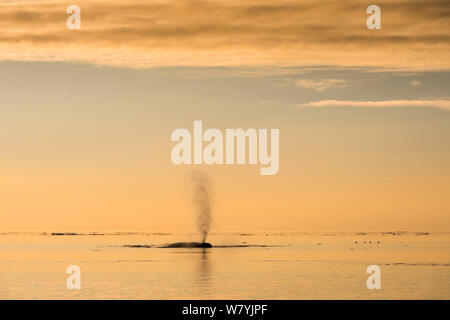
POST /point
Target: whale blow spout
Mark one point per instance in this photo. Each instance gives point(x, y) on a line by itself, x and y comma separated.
point(202, 199)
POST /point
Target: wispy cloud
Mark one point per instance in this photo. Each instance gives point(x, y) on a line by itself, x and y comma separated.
point(434, 103)
point(267, 101)
point(138, 33)
point(322, 84)
point(283, 83)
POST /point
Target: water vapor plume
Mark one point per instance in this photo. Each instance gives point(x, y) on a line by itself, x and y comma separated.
point(202, 201)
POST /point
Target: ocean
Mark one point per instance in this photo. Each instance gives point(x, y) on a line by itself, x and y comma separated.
point(262, 265)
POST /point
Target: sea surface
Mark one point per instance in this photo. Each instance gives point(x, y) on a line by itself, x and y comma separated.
point(263, 265)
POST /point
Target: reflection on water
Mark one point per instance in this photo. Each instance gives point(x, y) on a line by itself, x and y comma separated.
point(119, 265)
point(204, 272)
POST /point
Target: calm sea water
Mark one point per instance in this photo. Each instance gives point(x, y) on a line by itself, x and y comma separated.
point(291, 266)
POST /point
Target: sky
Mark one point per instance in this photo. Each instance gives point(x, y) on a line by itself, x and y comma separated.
point(86, 115)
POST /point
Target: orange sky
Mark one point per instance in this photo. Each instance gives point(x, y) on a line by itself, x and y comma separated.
point(86, 115)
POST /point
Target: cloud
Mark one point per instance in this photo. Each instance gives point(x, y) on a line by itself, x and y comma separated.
point(267, 102)
point(322, 84)
point(434, 103)
point(283, 83)
point(141, 34)
point(415, 83)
